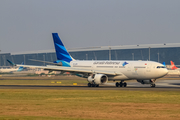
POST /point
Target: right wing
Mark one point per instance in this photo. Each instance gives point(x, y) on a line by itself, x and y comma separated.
point(71, 69)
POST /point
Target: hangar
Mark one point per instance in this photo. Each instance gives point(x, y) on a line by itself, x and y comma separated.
point(154, 52)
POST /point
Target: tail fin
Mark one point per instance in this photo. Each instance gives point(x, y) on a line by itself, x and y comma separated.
point(61, 52)
point(21, 68)
point(173, 67)
point(11, 63)
point(164, 64)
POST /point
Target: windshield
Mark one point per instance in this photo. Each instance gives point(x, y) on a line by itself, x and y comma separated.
point(161, 67)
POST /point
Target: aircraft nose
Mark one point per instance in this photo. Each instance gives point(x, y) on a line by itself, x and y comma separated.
point(165, 71)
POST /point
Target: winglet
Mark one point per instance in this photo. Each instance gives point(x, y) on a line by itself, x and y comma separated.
point(173, 67)
point(13, 64)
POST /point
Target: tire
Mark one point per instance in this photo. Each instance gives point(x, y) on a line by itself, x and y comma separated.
point(117, 84)
point(89, 84)
point(125, 84)
point(153, 85)
point(97, 85)
point(121, 84)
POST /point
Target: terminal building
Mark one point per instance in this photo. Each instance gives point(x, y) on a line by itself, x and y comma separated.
point(154, 52)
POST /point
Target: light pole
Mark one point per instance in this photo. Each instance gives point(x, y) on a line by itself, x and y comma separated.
point(86, 56)
point(149, 53)
point(24, 60)
point(4, 57)
point(132, 56)
point(158, 56)
point(37, 56)
point(109, 53)
point(44, 59)
point(95, 56)
point(51, 57)
point(115, 54)
point(0, 58)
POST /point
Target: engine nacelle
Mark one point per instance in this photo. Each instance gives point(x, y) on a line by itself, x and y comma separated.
point(98, 78)
point(145, 81)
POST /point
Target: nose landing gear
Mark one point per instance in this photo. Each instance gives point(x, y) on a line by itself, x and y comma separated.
point(153, 85)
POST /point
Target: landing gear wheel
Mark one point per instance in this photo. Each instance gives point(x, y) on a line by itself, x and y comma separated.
point(117, 84)
point(89, 84)
point(97, 85)
point(121, 84)
point(153, 85)
point(125, 84)
point(93, 85)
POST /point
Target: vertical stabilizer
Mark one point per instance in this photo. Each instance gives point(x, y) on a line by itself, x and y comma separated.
point(61, 52)
point(164, 64)
point(173, 67)
point(20, 68)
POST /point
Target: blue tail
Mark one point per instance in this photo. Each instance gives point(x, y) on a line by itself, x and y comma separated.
point(61, 52)
point(164, 64)
point(21, 68)
point(11, 63)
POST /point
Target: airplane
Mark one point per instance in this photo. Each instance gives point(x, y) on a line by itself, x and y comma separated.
point(12, 69)
point(100, 72)
point(173, 67)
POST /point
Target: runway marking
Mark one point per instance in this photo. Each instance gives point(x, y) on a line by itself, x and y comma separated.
point(74, 83)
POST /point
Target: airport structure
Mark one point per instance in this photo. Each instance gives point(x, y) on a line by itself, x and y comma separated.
point(154, 52)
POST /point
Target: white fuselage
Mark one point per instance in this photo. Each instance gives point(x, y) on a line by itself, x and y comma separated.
point(141, 70)
point(8, 70)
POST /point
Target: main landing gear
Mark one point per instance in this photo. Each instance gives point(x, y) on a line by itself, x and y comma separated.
point(121, 84)
point(153, 85)
point(93, 85)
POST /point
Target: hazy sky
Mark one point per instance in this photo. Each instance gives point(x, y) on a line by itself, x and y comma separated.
point(26, 25)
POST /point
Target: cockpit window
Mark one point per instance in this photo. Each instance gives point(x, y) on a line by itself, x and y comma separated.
point(161, 67)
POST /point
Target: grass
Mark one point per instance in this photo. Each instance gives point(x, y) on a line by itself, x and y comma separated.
point(39, 80)
point(43, 82)
point(51, 104)
point(88, 104)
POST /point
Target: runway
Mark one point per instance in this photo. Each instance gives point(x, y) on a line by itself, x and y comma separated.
point(161, 85)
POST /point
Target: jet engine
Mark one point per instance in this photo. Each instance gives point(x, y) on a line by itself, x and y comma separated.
point(98, 78)
point(145, 81)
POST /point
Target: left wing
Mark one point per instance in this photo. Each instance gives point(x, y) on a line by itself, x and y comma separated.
point(58, 64)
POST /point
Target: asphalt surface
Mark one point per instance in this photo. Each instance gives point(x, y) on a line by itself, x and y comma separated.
point(161, 85)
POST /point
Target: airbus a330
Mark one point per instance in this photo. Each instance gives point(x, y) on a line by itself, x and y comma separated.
point(100, 72)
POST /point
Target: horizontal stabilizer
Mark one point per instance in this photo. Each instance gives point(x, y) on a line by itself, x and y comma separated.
point(58, 64)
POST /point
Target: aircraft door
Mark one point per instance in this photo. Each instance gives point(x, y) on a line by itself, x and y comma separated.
point(134, 71)
point(148, 67)
point(147, 72)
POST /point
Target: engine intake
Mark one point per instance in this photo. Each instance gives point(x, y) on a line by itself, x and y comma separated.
point(98, 78)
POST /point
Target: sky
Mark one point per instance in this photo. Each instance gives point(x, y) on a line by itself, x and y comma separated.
point(27, 25)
